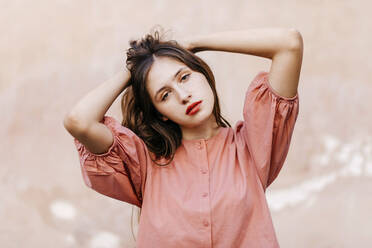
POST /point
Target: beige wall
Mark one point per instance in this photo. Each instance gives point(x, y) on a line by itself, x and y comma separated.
point(54, 52)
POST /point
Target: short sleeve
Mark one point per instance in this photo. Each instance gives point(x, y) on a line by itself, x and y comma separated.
point(269, 121)
point(121, 171)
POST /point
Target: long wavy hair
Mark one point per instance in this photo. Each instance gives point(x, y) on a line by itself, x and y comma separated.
point(162, 138)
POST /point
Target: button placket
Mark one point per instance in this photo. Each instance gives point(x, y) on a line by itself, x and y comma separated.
point(205, 202)
point(200, 145)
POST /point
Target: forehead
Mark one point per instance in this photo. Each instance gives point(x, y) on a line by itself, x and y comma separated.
point(161, 72)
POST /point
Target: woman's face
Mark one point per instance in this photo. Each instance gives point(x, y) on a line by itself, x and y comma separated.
point(173, 86)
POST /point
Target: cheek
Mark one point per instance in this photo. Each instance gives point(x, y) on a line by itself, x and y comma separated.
point(166, 109)
point(209, 93)
point(159, 108)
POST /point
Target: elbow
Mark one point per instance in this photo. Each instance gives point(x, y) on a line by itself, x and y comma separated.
point(295, 41)
point(73, 124)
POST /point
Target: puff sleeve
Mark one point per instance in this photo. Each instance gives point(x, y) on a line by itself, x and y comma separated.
point(269, 121)
point(121, 171)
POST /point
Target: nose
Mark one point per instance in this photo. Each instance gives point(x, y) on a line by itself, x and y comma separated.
point(184, 95)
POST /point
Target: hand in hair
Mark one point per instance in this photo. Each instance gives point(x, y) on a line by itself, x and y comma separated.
point(189, 45)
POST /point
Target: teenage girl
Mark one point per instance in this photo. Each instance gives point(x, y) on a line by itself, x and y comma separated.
point(198, 181)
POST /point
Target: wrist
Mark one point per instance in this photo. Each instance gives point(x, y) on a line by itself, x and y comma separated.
point(197, 44)
point(191, 44)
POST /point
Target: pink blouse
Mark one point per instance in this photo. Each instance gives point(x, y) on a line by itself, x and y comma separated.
point(213, 193)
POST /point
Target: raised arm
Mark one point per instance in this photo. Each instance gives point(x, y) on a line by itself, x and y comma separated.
point(83, 121)
point(283, 46)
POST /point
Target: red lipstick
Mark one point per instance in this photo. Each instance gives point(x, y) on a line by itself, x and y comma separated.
point(191, 106)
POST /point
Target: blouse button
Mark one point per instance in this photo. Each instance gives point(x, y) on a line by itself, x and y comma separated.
point(205, 223)
point(200, 145)
point(204, 171)
point(204, 194)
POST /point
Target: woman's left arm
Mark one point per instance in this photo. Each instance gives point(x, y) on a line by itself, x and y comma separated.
point(283, 46)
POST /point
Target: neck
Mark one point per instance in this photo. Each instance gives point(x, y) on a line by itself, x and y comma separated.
point(204, 131)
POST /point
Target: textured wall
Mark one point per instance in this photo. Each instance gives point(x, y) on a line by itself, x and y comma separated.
point(54, 52)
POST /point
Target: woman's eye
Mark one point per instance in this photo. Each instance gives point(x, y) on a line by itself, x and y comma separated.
point(164, 96)
point(185, 76)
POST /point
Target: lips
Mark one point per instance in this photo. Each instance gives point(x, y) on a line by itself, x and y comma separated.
point(191, 106)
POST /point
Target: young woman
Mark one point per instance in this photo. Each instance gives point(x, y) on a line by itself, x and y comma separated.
point(198, 181)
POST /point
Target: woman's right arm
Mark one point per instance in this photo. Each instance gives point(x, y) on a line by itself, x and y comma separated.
point(84, 120)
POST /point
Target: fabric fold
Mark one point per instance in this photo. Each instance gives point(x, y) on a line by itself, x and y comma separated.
point(269, 121)
point(119, 172)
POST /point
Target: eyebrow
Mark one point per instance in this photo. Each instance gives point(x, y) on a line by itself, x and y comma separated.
point(174, 76)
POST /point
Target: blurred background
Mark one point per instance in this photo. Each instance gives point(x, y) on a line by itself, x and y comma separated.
point(55, 52)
